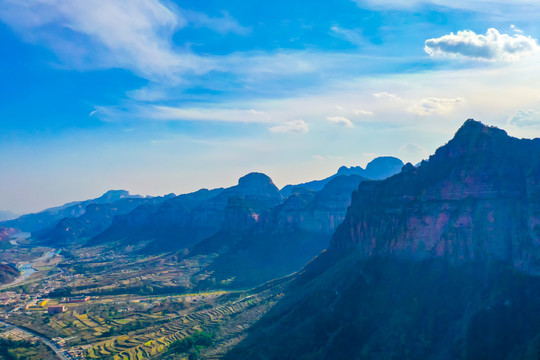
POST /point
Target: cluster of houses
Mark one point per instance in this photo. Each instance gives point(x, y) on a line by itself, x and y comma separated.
point(11, 297)
point(58, 309)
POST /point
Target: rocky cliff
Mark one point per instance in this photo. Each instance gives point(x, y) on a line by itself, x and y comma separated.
point(257, 245)
point(436, 262)
point(476, 199)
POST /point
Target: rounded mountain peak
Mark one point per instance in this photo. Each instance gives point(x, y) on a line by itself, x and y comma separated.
point(383, 167)
point(255, 178)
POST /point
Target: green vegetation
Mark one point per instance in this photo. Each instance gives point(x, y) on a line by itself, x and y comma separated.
point(16, 350)
point(383, 308)
point(192, 344)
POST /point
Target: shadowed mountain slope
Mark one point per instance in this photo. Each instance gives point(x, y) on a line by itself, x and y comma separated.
point(437, 262)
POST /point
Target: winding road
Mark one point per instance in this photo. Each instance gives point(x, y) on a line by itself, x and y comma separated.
point(60, 353)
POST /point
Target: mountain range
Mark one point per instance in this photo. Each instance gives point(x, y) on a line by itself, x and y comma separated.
point(49, 217)
point(252, 232)
point(436, 262)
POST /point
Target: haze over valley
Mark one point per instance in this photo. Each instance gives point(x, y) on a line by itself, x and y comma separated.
point(229, 180)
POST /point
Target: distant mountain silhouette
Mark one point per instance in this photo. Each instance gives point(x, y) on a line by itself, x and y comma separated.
point(49, 217)
point(7, 215)
point(254, 247)
point(379, 168)
point(436, 262)
point(96, 218)
point(186, 219)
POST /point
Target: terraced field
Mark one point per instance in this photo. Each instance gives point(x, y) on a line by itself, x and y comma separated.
point(154, 341)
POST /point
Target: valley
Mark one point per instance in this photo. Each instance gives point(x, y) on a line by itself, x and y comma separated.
point(437, 261)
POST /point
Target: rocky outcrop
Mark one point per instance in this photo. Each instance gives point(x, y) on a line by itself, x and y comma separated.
point(477, 198)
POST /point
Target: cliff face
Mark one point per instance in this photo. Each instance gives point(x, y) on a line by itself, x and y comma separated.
point(477, 198)
point(257, 244)
point(318, 212)
point(436, 262)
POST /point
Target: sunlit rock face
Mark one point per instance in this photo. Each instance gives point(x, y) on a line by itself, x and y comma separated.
point(477, 198)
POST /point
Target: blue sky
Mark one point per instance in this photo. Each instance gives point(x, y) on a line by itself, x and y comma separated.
point(160, 96)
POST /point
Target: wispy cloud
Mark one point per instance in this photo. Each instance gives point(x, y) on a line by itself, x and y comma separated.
point(478, 5)
point(224, 24)
point(135, 35)
point(385, 94)
point(171, 113)
point(340, 121)
point(361, 112)
point(431, 106)
point(353, 36)
point(291, 127)
point(525, 118)
point(493, 46)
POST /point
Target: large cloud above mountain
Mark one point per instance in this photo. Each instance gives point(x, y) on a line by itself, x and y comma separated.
point(493, 46)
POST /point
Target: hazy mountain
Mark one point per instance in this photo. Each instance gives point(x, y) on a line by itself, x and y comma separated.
point(379, 168)
point(257, 246)
point(49, 217)
point(7, 215)
point(184, 220)
point(437, 262)
point(96, 218)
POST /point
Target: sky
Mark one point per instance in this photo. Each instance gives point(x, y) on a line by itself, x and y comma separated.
point(170, 96)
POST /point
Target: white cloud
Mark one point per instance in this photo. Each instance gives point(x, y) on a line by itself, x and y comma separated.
point(135, 35)
point(525, 118)
point(385, 94)
point(493, 46)
point(412, 152)
point(516, 29)
point(352, 36)
point(340, 121)
point(205, 114)
point(225, 24)
point(432, 106)
point(482, 6)
point(171, 113)
point(292, 127)
point(363, 112)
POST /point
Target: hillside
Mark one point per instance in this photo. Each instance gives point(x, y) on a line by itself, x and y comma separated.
point(438, 262)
